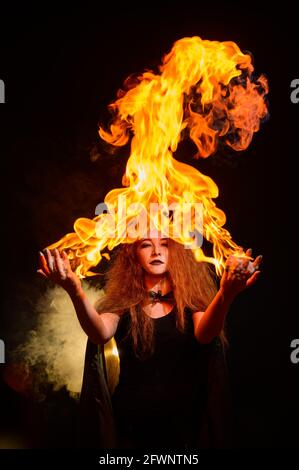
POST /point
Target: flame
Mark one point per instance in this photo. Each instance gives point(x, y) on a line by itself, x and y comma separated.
point(204, 90)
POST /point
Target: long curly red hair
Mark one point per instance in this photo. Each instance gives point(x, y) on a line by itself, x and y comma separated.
point(194, 286)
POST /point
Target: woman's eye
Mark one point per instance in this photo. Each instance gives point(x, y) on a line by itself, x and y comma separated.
point(145, 245)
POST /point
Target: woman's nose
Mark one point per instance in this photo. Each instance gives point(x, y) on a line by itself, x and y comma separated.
point(156, 250)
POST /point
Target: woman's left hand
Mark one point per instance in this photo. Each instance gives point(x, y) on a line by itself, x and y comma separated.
point(240, 273)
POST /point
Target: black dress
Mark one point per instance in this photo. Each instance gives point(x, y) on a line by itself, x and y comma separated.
point(159, 401)
point(178, 398)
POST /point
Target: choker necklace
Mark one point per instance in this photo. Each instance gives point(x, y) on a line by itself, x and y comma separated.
point(158, 297)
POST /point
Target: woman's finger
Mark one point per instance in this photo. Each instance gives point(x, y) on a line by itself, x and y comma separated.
point(43, 263)
point(252, 280)
point(257, 261)
point(50, 260)
point(40, 271)
point(66, 260)
point(59, 263)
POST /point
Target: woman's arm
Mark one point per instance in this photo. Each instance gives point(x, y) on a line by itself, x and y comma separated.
point(209, 324)
point(239, 274)
point(98, 327)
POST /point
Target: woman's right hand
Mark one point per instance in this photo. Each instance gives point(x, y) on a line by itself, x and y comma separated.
point(240, 273)
point(57, 268)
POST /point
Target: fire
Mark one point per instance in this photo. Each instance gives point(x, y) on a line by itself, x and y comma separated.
point(204, 90)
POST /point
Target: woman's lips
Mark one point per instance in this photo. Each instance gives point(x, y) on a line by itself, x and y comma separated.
point(156, 262)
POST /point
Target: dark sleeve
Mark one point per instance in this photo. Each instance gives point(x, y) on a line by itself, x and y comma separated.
point(96, 422)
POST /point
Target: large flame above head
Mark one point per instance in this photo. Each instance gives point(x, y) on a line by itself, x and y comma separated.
point(205, 89)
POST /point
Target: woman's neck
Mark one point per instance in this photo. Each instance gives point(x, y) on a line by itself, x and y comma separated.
point(157, 282)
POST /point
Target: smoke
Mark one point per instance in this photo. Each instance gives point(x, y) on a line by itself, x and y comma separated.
point(54, 349)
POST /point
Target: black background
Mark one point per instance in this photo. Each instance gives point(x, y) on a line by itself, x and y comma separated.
point(61, 67)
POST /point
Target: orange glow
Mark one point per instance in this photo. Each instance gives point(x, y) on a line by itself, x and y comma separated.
point(19, 378)
point(205, 90)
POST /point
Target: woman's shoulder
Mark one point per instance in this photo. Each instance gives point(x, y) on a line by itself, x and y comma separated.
point(189, 312)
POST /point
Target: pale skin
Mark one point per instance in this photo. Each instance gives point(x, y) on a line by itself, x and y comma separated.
point(239, 274)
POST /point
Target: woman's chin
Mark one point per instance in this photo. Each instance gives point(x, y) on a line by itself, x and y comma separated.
point(159, 269)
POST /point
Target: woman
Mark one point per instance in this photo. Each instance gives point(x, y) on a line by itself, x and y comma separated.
point(166, 315)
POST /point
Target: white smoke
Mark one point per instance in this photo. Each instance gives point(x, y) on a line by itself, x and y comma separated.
point(55, 348)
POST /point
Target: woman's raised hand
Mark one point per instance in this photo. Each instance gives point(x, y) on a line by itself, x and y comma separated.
point(57, 268)
point(240, 273)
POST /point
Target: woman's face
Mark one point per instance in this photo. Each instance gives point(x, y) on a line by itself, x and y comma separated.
point(152, 254)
